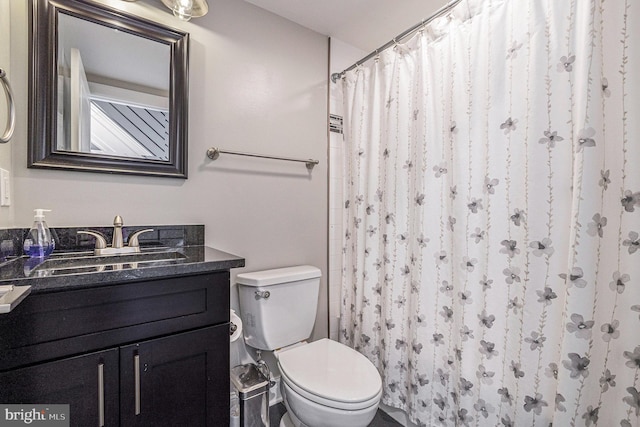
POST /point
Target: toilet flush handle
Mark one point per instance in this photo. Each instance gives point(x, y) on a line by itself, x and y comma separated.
point(263, 294)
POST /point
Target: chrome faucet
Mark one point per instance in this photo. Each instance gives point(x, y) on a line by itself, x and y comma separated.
point(117, 243)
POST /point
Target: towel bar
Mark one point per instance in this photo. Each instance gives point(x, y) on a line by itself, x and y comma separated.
point(213, 153)
point(11, 120)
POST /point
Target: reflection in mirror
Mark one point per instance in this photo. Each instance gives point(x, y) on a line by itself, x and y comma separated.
point(113, 91)
point(108, 92)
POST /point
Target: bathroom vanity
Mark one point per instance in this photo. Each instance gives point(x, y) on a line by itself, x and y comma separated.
point(137, 342)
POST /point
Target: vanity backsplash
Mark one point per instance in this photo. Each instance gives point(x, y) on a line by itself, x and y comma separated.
point(68, 240)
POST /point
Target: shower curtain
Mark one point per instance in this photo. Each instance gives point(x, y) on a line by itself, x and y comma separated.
point(491, 257)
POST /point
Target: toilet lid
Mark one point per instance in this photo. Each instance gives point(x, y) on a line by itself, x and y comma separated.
point(332, 371)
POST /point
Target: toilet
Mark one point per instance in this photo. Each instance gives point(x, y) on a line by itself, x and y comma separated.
point(324, 383)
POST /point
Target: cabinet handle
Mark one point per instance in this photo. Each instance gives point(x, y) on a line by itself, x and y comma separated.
point(101, 395)
point(136, 363)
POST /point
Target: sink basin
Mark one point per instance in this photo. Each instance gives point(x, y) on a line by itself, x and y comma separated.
point(73, 263)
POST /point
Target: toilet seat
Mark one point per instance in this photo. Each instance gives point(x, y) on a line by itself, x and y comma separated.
point(331, 374)
point(330, 403)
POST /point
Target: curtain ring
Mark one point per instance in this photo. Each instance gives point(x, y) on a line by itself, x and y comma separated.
point(11, 120)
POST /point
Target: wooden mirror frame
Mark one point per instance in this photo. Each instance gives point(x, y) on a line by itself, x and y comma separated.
point(43, 63)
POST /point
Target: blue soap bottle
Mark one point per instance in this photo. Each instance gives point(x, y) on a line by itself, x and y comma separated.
point(39, 243)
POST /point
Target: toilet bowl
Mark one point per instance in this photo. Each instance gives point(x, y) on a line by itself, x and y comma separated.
point(327, 384)
point(324, 383)
point(305, 413)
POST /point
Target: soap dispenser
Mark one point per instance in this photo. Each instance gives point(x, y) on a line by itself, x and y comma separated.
point(39, 243)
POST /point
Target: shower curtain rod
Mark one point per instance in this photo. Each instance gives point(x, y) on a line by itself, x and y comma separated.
point(444, 9)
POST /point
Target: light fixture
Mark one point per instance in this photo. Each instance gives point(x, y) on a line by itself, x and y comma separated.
point(187, 9)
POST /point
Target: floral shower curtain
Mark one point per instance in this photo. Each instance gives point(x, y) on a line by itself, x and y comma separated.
point(492, 249)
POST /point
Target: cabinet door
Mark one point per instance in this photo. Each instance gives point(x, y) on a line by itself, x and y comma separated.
point(88, 383)
point(178, 380)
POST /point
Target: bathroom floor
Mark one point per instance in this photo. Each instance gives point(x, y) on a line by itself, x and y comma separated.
point(381, 419)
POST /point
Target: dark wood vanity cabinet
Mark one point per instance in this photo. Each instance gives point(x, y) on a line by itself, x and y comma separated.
point(176, 380)
point(76, 381)
point(151, 353)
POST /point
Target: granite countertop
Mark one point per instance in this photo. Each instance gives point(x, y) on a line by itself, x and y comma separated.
point(77, 270)
point(167, 251)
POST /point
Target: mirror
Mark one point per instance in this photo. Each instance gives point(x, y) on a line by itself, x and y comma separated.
point(108, 91)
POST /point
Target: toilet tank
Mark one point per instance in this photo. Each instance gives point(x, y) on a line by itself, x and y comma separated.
point(278, 307)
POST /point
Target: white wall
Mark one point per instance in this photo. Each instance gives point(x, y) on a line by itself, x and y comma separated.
point(258, 84)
